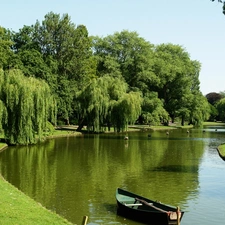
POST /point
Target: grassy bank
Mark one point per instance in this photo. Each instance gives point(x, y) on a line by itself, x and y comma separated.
point(221, 151)
point(17, 208)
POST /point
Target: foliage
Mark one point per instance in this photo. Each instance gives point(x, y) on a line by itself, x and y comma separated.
point(106, 101)
point(126, 54)
point(29, 104)
point(126, 110)
point(153, 111)
point(213, 97)
point(213, 113)
point(220, 106)
point(60, 53)
point(105, 81)
point(5, 48)
point(179, 80)
point(200, 110)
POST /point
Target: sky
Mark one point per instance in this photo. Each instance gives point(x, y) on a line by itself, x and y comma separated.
point(196, 25)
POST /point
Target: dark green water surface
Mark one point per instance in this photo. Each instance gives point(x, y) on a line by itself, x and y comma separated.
point(78, 176)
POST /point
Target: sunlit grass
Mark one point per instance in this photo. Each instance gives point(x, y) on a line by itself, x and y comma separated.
point(213, 123)
point(17, 208)
point(221, 150)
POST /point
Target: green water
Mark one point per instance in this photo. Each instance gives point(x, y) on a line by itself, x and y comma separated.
point(78, 176)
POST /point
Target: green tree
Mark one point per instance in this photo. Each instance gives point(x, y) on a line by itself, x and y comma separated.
point(60, 53)
point(126, 110)
point(105, 101)
point(199, 109)
point(153, 112)
point(29, 105)
point(179, 80)
point(220, 106)
point(6, 53)
point(126, 54)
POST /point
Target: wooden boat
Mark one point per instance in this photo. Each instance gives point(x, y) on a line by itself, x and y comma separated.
point(144, 210)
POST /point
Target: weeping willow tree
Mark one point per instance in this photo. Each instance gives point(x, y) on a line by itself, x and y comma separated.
point(3, 114)
point(105, 101)
point(29, 105)
point(94, 102)
point(126, 110)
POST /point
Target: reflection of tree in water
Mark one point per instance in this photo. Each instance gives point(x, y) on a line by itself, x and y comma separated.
point(79, 175)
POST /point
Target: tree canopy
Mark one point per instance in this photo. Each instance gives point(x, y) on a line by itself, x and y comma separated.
point(27, 105)
point(95, 81)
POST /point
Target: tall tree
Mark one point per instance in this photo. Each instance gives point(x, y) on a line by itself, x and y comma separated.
point(67, 49)
point(220, 106)
point(153, 112)
point(179, 79)
point(29, 105)
point(6, 53)
point(213, 97)
point(128, 55)
point(106, 101)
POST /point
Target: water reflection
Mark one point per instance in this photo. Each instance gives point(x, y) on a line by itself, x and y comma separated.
point(78, 176)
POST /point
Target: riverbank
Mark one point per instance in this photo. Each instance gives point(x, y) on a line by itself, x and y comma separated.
point(18, 208)
point(221, 151)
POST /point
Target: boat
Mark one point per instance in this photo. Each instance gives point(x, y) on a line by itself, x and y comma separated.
point(144, 210)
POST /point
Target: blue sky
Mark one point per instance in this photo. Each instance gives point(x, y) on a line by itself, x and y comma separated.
point(197, 25)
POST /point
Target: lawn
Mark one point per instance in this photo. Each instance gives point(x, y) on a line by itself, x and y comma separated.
point(17, 208)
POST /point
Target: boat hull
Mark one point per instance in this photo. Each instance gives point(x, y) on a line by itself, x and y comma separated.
point(145, 211)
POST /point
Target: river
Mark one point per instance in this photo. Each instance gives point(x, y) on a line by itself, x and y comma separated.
point(77, 176)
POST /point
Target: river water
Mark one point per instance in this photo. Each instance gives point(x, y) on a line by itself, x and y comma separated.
point(77, 176)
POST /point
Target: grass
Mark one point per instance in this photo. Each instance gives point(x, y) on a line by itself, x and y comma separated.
point(221, 150)
point(213, 123)
point(2, 145)
point(17, 208)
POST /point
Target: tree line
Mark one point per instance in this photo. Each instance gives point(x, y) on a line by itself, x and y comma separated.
point(53, 71)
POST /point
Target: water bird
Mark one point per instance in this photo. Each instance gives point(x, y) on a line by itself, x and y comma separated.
point(149, 135)
point(167, 133)
point(126, 138)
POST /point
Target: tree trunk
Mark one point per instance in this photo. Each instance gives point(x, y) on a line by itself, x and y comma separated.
point(81, 125)
point(182, 121)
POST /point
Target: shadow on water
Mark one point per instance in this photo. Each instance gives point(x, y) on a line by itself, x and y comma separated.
point(176, 169)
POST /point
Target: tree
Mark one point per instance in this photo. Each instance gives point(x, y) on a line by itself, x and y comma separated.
point(179, 79)
point(213, 97)
point(199, 109)
point(5, 48)
point(28, 104)
point(126, 110)
point(127, 54)
point(105, 101)
point(152, 110)
point(60, 53)
point(220, 106)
